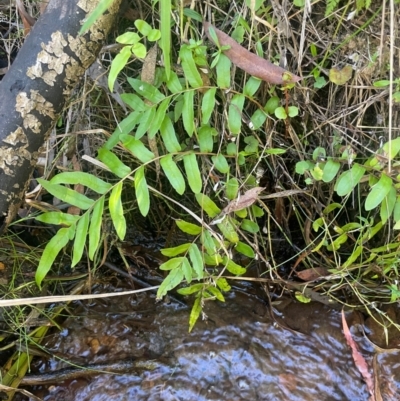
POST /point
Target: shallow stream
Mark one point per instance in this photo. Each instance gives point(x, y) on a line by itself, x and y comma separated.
point(239, 353)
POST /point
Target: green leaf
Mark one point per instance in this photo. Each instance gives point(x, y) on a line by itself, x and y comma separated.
point(128, 38)
point(275, 151)
point(117, 211)
point(228, 230)
point(207, 205)
point(233, 267)
point(194, 313)
point(137, 148)
point(272, 104)
point(250, 226)
point(172, 263)
point(188, 112)
point(67, 195)
point(173, 83)
point(387, 205)
point(280, 113)
point(134, 102)
point(165, 43)
point(257, 119)
point(168, 135)
point(209, 244)
point(216, 293)
point(57, 218)
point(192, 172)
point(232, 188)
point(205, 138)
point(245, 249)
point(223, 285)
point(188, 228)
point(187, 270)
point(251, 86)
point(100, 9)
point(223, 69)
point(208, 105)
point(142, 192)
point(113, 163)
point(139, 50)
point(117, 65)
point(381, 84)
point(145, 122)
point(124, 127)
point(173, 279)
point(78, 177)
point(146, 90)
point(293, 111)
point(303, 166)
point(95, 227)
point(302, 298)
point(257, 211)
point(175, 251)
point(53, 248)
point(349, 179)
point(80, 238)
point(173, 173)
point(331, 168)
point(378, 192)
point(189, 67)
point(190, 290)
point(143, 27)
point(220, 163)
point(391, 148)
point(154, 35)
point(235, 113)
point(197, 261)
point(158, 118)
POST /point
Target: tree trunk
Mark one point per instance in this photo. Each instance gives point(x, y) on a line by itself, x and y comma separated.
point(32, 94)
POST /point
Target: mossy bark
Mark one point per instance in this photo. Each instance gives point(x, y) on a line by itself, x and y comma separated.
point(52, 60)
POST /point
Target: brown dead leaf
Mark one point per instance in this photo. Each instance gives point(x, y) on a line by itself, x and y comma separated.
point(313, 274)
point(243, 201)
point(359, 360)
point(250, 62)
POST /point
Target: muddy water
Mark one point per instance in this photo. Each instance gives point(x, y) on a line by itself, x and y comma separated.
point(239, 353)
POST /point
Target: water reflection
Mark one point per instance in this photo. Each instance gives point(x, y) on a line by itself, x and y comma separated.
point(237, 354)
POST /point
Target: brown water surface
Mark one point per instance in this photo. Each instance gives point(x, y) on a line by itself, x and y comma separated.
point(238, 353)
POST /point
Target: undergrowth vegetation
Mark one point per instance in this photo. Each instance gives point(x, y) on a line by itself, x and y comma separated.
point(294, 185)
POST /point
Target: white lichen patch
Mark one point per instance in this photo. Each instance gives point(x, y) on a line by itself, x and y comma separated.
point(11, 157)
point(35, 102)
point(53, 56)
point(18, 136)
